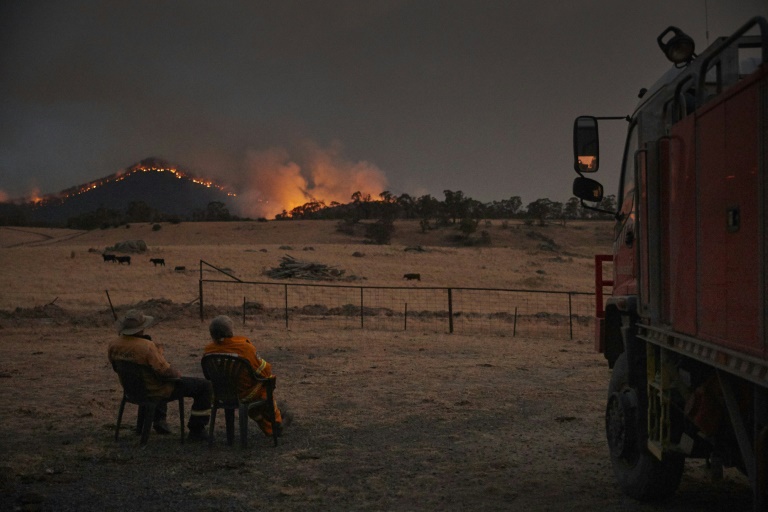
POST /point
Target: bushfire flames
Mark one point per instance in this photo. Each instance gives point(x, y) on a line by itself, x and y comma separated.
point(37, 200)
point(275, 182)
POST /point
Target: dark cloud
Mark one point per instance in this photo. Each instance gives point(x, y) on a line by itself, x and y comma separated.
point(434, 94)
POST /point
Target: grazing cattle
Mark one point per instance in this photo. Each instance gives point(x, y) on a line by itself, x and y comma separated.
point(157, 261)
point(180, 269)
point(109, 257)
point(412, 276)
point(124, 259)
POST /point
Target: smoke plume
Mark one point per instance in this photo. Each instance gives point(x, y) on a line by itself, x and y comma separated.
point(276, 181)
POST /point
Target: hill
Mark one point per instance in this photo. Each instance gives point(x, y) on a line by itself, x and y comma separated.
point(161, 186)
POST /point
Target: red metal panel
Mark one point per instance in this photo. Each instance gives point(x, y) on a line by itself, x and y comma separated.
point(743, 264)
point(712, 244)
point(664, 222)
point(600, 283)
point(682, 228)
point(729, 229)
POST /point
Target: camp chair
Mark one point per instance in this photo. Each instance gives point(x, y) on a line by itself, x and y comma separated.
point(132, 377)
point(224, 371)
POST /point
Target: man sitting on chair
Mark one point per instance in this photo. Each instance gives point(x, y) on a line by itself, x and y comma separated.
point(135, 346)
point(225, 342)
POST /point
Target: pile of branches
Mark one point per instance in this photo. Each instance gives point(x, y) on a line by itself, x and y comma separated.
point(291, 268)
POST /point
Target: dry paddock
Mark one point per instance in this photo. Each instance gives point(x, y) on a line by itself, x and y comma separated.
point(383, 421)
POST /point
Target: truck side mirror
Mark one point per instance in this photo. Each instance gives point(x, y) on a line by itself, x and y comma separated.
point(586, 154)
point(587, 189)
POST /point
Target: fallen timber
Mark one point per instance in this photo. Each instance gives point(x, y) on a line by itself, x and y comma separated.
point(291, 268)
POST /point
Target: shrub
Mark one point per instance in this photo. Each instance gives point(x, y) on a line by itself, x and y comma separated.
point(380, 232)
point(468, 226)
point(346, 227)
point(157, 227)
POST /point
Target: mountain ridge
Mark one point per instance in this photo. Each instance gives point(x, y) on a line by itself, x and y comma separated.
point(160, 185)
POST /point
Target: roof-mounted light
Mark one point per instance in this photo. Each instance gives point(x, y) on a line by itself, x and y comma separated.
point(679, 48)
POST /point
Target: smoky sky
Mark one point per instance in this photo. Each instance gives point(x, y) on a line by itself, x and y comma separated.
point(428, 95)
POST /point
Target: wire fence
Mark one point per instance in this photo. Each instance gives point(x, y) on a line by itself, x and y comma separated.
point(296, 306)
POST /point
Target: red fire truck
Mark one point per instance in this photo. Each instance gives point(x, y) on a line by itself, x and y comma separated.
point(685, 329)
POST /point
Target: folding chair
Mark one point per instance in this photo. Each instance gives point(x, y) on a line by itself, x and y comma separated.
point(133, 377)
point(225, 371)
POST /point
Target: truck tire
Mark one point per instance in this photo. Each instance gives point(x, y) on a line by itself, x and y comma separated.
point(640, 475)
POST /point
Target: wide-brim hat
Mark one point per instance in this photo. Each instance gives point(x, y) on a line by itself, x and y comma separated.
point(134, 321)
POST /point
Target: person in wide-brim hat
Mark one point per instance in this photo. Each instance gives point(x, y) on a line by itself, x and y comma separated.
point(166, 383)
point(133, 322)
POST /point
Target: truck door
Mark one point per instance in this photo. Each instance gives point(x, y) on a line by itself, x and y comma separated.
point(624, 245)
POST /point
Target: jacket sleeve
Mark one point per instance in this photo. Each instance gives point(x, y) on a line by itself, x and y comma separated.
point(158, 363)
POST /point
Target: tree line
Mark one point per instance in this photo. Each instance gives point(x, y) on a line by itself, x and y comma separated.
point(454, 209)
point(451, 210)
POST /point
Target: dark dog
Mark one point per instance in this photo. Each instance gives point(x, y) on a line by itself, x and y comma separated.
point(412, 276)
point(157, 261)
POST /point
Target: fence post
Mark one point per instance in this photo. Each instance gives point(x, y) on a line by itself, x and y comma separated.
point(405, 318)
point(570, 314)
point(201, 291)
point(514, 325)
point(361, 308)
point(286, 306)
point(243, 310)
point(201, 294)
point(450, 311)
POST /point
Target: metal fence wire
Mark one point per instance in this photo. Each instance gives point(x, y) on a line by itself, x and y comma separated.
point(297, 306)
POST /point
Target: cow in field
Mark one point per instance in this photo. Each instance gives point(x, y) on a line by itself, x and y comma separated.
point(124, 259)
point(157, 261)
point(410, 277)
point(109, 257)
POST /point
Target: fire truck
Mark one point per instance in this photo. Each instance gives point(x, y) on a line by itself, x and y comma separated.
point(685, 325)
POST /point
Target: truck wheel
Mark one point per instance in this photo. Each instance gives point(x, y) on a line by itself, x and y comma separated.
point(640, 475)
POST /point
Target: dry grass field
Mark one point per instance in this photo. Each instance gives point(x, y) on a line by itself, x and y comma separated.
point(383, 420)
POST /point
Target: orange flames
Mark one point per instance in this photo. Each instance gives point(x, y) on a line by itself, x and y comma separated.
point(35, 197)
point(275, 182)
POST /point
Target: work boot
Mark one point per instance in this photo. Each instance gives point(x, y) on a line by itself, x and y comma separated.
point(161, 427)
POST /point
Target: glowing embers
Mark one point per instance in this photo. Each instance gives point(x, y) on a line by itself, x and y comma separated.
point(37, 200)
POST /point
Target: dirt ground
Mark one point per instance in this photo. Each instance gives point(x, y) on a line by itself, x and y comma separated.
point(383, 421)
